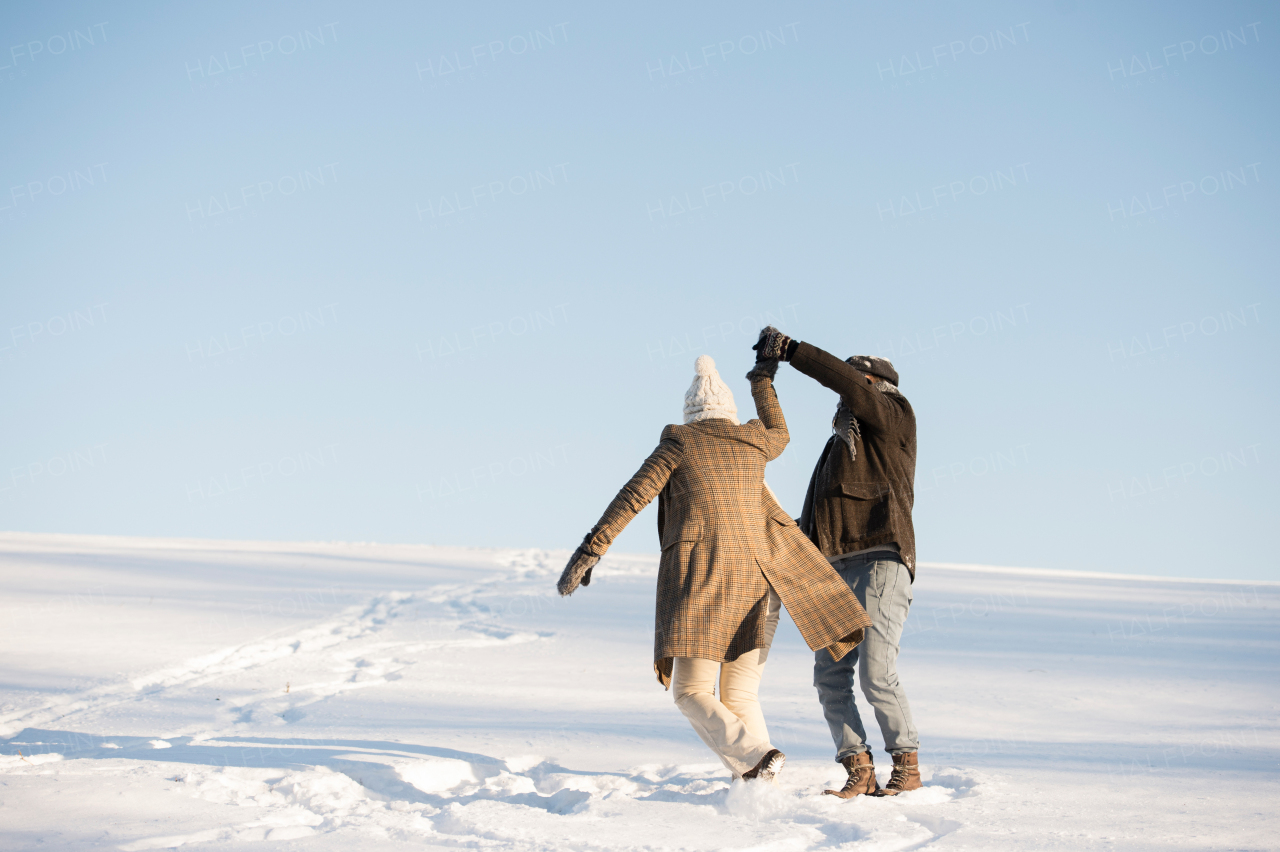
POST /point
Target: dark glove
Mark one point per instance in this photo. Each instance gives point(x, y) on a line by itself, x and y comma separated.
point(578, 571)
point(771, 345)
point(763, 370)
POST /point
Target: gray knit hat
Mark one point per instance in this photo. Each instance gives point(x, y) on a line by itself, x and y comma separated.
point(881, 367)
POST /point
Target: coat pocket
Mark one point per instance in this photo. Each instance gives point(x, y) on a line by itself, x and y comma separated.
point(864, 509)
point(688, 535)
point(864, 490)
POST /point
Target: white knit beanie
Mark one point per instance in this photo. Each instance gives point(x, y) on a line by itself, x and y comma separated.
point(708, 397)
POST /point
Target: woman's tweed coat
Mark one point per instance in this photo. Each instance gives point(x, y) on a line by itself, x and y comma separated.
point(722, 535)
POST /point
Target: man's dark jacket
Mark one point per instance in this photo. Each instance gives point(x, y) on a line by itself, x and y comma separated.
point(858, 503)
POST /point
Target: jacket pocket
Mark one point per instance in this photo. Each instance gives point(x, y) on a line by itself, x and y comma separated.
point(864, 490)
point(864, 510)
point(688, 535)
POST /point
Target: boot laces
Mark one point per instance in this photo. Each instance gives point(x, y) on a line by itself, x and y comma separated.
point(899, 776)
point(857, 775)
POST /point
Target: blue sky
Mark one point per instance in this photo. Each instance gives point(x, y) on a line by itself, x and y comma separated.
point(438, 274)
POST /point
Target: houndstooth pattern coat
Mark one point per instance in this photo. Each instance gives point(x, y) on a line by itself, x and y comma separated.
point(723, 535)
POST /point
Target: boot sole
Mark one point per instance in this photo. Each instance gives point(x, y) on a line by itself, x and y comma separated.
point(767, 770)
point(770, 771)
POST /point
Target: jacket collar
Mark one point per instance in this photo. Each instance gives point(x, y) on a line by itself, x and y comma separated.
point(728, 430)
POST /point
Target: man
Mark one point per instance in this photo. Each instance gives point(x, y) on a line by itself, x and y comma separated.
point(858, 512)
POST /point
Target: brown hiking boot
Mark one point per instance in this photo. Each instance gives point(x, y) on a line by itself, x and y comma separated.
point(768, 767)
point(862, 777)
point(906, 775)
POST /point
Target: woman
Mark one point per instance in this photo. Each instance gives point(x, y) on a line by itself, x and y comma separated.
point(730, 558)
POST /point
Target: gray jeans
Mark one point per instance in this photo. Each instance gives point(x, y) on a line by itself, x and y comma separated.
point(884, 589)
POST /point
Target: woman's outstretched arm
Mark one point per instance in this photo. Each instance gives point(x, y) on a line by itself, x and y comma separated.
point(639, 491)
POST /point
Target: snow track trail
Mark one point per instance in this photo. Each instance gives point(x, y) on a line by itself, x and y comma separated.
point(354, 623)
point(415, 697)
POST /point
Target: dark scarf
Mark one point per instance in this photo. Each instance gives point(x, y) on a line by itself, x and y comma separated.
point(845, 426)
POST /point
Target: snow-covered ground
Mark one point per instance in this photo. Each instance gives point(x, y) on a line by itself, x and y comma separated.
point(161, 693)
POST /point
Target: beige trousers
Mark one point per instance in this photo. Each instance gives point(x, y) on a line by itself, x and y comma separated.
point(733, 726)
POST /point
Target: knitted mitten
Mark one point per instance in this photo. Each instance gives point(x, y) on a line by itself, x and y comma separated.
point(763, 370)
point(578, 571)
point(772, 344)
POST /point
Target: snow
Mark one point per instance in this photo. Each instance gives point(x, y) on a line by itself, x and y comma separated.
point(162, 694)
